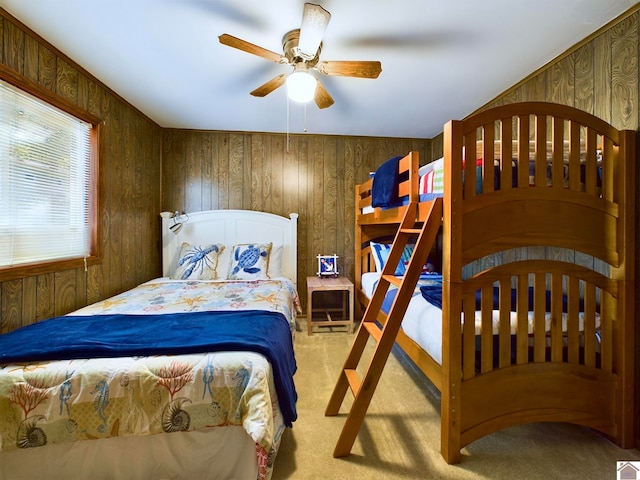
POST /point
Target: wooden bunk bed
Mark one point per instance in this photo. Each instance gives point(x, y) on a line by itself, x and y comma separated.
point(538, 277)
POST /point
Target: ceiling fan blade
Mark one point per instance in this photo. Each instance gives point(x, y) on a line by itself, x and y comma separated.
point(314, 22)
point(270, 86)
point(245, 46)
point(347, 68)
point(322, 97)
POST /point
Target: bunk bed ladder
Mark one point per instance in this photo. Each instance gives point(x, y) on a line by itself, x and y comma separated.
point(385, 336)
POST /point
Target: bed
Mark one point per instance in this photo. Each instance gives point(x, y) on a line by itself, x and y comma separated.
point(529, 314)
point(186, 376)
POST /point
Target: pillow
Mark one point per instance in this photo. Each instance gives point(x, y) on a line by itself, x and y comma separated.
point(438, 181)
point(432, 177)
point(401, 269)
point(426, 182)
point(431, 166)
point(275, 262)
point(223, 263)
point(197, 262)
point(249, 261)
point(381, 253)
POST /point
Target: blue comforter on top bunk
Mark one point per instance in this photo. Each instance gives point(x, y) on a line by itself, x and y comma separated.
point(384, 190)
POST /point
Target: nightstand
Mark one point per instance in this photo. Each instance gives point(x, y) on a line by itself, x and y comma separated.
point(330, 284)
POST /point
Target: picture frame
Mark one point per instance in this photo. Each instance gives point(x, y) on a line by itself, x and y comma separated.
point(327, 265)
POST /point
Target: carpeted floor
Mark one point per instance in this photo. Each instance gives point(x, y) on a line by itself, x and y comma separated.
point(400, 437)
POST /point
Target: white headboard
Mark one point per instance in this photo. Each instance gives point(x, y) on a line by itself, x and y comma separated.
point(231, 227)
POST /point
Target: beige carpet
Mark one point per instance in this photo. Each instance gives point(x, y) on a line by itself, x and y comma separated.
point(400, 437)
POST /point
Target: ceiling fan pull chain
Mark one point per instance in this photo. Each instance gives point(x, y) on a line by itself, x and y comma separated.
point(305, 118)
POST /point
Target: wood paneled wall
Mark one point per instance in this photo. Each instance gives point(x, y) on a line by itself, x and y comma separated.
point(129, 183)
point(313, 176)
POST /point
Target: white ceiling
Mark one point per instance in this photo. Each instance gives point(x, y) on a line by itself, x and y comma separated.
point(441, 59)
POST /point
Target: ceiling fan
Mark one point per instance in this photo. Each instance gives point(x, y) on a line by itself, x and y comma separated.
point(301, 50)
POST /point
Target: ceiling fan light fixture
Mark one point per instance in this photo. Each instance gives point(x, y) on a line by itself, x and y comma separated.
point(301, 49)
point(301, 87)
point(314, 23)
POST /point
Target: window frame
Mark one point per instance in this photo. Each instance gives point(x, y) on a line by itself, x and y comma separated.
point(94, 258)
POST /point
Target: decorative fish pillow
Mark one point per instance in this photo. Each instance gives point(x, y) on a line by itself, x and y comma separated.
point(249, 261)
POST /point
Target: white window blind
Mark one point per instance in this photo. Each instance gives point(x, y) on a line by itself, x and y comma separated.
point(45, 178)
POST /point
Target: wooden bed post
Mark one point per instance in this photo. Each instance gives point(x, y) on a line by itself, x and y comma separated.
point(450, 442)
point(626, 334)
point(357, 242)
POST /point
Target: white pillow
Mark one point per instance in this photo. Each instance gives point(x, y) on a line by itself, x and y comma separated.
point(197, 262)
point(275, 262)
point(435, 165)
point(380, 252)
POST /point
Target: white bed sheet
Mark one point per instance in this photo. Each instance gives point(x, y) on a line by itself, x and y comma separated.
point(422, 321)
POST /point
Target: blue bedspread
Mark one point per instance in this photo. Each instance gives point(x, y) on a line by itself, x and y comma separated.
point(102, 336)
point(384, 190)
point(425, 280)
point(433, 294)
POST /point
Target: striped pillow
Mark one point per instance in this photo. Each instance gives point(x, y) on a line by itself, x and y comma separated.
point(381, 253)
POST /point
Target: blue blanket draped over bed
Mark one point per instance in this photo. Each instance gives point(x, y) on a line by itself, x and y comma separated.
point(103, 336)
point(433, 294)
point(426, 279)
point(384, 190)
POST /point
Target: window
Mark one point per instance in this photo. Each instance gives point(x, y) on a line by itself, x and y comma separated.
point(47, 178)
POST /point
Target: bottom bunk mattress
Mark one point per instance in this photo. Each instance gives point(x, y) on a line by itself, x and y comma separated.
point(164, 357)
point(422, 321)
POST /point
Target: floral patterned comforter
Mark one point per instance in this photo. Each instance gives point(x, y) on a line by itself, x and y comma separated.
point(70, 400)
